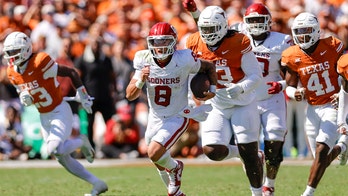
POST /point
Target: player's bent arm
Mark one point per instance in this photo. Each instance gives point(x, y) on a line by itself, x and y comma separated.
point(134, 89)
point(70, 72)
point(292, 82)
point(252, 70)
point(210, 69)
point(190, 6)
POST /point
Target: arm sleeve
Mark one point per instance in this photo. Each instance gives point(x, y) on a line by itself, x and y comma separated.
point(52, 71)
point(342, 107)
point(252, 71)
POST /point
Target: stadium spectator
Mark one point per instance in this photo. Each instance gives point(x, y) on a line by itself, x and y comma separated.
point(97, 74)
point(47, 30)
point(12, 144)
point(122, 135)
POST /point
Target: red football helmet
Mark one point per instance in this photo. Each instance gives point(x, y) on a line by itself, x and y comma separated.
point(258, 19)
point(162, 40)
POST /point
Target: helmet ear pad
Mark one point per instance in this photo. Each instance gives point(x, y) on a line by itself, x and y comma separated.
point(212, 25)
point(17, 41)
point(305, 30)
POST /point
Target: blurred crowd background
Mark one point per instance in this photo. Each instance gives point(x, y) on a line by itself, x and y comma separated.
point(64, 29)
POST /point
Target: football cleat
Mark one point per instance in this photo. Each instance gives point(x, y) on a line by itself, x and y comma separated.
point(343, 157)
point(267, 191)
point(87, 149)
point(175, 179)
point(98, 188)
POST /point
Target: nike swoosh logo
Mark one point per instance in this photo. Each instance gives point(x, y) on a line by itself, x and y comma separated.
point(322, 53)
point(224, 52)
point(30, 73)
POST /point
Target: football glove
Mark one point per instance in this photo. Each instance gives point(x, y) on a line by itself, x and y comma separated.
point(342, 129)
point(199, 113)
point(233, 90)
point(85, 100)
point(189, 5)
point(25, 98)
point(276, 87)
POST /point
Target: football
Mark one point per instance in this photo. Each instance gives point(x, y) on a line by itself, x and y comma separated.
point(199, 84)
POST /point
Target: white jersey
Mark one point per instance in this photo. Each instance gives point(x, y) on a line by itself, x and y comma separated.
point(167, 87)
point(268, 53)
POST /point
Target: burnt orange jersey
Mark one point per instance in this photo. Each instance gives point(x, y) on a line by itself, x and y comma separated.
point(40, 80)
point(317, 72)
point(342, 66)
point(227, 57)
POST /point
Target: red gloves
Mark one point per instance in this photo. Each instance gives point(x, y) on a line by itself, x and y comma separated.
point(275, 88)
point(189, 5)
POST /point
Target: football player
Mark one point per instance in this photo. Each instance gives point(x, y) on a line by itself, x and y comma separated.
point(312, 61)
point(234, 105)
point(342, 102)
point(35, 77)
point(165, 71)
point(268, 47)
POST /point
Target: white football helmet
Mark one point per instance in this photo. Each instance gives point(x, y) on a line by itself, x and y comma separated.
point(258, 19)
point(305, 30)
point(212, 25)
point(17, 48)
point(161, 40)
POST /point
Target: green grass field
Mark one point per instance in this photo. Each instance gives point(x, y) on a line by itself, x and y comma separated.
point(198, 180)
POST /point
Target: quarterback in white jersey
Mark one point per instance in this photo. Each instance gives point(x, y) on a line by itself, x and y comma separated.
point(268, 47)
point(166, 71)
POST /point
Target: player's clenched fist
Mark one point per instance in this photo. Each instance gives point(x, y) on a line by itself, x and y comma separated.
point(189, 5)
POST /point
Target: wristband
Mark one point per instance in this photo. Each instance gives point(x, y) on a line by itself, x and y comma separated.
point(283, 83)
point(212, 88)
point(139, 84)
point(290, 92)
point(196, 14)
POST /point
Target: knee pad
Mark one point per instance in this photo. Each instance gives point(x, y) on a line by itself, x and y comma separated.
point(215, 152)
point(274, 159)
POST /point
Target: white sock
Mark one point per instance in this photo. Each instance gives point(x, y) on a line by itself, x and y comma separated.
point(269, 182)
point(342, 146)
point(233, 152)
point(76, 168)
point(256, 191)
point(71, 145)
point(167, 161)
point(309, 191)
point(164, 176)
